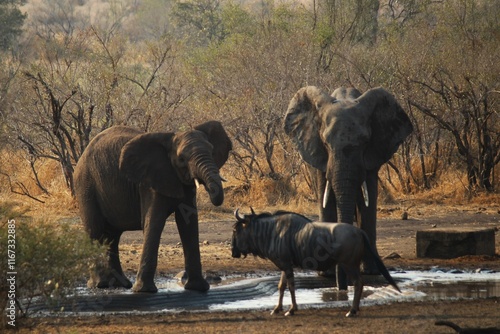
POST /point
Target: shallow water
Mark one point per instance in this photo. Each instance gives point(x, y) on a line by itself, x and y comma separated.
point(260, 293)
point(414, 285)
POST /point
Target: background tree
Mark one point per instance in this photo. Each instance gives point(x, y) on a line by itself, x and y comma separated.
point(11, 22)
point(169, 65)
point(200, 19)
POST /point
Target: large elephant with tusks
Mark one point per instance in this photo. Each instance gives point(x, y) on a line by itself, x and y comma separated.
point(129, 180)
point(345, 138)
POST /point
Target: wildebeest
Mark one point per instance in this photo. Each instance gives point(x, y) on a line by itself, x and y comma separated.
point(291, 240)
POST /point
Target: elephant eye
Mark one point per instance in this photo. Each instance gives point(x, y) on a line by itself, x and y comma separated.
point(182, 161)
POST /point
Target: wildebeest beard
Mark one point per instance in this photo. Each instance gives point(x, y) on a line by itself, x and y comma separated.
point(236, 253)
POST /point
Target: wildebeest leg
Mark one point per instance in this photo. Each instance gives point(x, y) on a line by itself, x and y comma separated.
point(281, 288)
point(291, 286)
point(355, 275)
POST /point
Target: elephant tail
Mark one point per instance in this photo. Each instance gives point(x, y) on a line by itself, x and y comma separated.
point(378, 262)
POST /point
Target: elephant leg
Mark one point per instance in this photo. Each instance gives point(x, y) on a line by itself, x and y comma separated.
point(153, 221)
point(327, 213)
point(110, 274)
point(186, 218)
point(368, 220)
point(342, 280)
point(116, 277)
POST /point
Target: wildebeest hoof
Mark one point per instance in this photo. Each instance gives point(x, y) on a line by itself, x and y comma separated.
point(140, 286)
point(351, 313)
point(290, 312)
point(275, 311)
point(199, 284)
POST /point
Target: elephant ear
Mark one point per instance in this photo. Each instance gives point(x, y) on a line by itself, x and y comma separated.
point(389, 126)
point(219, 139)
point(145, 160)
point(303, 122)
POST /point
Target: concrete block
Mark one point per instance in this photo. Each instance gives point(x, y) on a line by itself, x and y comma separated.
point(448, 243)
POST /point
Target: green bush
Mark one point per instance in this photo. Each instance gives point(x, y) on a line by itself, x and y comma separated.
point(51, 260)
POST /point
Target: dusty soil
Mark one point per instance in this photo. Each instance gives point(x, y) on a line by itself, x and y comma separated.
point(394, 236)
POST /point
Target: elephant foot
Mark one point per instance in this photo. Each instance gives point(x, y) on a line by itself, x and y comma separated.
point(109, 281)
point(141, 286)
point(197, 284)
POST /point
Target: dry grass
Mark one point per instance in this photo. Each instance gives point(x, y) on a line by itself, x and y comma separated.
point(19, 187)
point(264, 194)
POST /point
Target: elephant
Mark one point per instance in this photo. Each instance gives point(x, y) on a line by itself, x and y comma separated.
point(130, 180)
point(345, 138)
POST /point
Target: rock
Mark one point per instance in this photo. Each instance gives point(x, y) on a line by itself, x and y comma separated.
point(455, 242)
point(455, 271)
point(393, 255)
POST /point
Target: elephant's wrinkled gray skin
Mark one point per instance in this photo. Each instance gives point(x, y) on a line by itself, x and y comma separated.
point(129, 180)
point(345, 138)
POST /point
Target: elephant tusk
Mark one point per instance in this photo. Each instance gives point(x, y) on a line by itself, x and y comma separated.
point(197, 183)
point(326, 194)
point(223, 179)
point(364, 189)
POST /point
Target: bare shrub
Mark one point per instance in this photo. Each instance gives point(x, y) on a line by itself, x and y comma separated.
point(51, 259)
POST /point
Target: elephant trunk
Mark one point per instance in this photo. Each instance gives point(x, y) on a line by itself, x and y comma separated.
point(346, 200)
point(206, 170)
point(345, 182)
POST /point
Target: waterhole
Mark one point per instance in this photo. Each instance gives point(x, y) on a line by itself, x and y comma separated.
point(260, 293)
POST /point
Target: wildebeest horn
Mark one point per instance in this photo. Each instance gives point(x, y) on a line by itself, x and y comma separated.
point(238, 217)
point(253, 212)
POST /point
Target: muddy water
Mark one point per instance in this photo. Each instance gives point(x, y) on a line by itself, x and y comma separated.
point(260, 293)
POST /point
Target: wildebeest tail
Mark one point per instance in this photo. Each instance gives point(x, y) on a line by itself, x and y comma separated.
point(378, 262)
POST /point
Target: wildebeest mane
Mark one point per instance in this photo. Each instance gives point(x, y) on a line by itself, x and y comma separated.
point(274, 214)
point(263, 215)
point(266, 237)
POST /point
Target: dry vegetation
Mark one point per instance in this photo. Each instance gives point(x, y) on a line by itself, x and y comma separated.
point(75, 73)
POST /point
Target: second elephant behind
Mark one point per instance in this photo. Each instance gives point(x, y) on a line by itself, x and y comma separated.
point(345, 138)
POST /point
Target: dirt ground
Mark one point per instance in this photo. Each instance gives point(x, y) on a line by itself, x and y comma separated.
point(394, 236)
